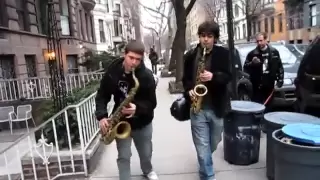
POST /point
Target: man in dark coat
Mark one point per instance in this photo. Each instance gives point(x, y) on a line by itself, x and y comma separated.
point(264, 66)
point(206, 126)
point(153, 56)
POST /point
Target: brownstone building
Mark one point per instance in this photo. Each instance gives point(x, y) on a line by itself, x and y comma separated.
point(270, 17)
point(23, 29)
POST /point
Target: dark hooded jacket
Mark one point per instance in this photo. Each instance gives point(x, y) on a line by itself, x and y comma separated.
point(145, 98)
point(218, 86)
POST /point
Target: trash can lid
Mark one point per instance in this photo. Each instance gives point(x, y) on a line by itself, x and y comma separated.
point(285, 118)
point(247, 106)
point(303, 132)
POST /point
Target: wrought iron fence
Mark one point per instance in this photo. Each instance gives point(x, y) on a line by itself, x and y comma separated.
point(38, 156)
point(40, 87)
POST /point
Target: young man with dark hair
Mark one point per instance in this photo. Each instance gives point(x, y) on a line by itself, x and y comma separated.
point(264, 66)
point(118, 81)
point(206, 126)
point(153, 56)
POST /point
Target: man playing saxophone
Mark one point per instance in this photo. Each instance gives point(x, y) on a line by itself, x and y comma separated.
point(120, 77)
point(206, 122)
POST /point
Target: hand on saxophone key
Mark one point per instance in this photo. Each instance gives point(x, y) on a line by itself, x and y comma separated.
point(130, 110)
point(206, 76)
point(104, 124)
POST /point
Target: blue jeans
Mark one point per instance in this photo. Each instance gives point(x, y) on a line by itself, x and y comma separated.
point(206, 131)
point(142, 139)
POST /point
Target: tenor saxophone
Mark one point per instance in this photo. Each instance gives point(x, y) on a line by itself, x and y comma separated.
point(118, 128)
point(200, 89)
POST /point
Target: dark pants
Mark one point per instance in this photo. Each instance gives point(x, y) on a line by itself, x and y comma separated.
point(154, 68)
point(261, 94)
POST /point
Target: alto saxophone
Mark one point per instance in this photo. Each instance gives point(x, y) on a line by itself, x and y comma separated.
point(118, 128)
point(200, 89)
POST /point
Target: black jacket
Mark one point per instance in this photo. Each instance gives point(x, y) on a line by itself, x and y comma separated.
point(145, 98)
point(153, 56)
point(221, 69)
point(275, 67)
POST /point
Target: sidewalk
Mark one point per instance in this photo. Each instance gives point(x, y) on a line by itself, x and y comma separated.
point(174, 154)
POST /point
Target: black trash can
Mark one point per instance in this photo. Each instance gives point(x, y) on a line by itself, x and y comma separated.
point(297, 158)
point(241, 136)
point(276, 120)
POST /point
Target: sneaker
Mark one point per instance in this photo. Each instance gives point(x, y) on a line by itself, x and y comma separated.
point(152, 176)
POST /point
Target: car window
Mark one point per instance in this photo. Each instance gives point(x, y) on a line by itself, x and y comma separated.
point(286, 55)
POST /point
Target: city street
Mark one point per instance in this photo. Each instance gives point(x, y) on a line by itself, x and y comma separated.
point(174, 155)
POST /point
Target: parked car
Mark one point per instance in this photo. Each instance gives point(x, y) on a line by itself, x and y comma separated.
point(283, 96)
point(147, 63)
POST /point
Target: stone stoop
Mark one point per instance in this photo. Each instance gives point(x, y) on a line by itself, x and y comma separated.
point(92, 157)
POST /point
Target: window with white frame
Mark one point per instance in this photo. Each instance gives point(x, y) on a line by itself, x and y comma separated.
point(313, 15)
point(64, 17)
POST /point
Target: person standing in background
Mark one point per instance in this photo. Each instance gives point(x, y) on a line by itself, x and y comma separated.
point(153, 56)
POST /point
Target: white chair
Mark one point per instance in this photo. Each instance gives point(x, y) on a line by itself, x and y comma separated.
point(24, 113)
point(5, 114)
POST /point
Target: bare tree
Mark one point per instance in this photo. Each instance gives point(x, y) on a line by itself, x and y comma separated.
point(157, 25)
point(212, 8)
point(169, 38)
point(249, 8)
point(133, 6)
point(179, 44)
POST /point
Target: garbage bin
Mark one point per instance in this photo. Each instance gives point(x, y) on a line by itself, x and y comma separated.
point(241, 136)
point(297, 157)
point(276, 120)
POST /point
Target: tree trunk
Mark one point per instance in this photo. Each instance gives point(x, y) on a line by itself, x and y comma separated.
point(179, 44)
point(170, 38)
point(249, 28)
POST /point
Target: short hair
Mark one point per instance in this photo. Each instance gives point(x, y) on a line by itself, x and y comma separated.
point(209, 27)
point(135, 46)
point(263, 34)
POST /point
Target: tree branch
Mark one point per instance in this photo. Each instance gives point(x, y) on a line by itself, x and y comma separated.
point(189, 7)
point(153, 10)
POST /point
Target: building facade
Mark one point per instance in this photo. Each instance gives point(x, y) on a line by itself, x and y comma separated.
point(194, 19)
point(103, 23)
point(23, 29)
point(303, 21)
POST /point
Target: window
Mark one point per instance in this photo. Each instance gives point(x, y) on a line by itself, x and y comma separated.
point(280, 22)
point(92, 29)
point(120, 29)
point(42, 16)
point(72, 64)
point(87, 25)
point(31, 65)
point(7, 70)
point(118, 9)
point(272, 24)
point(266, 25)
point(116, 27)
point(64, 17)
point(80, 25)
point(313, 15)
point(259, 26)
point(101, 31)
point(254, 27)
point(23, 15)
point(3, 17)
point(236, 10)
point(244, 30)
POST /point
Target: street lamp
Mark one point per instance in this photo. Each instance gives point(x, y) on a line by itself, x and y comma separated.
point(229, 7)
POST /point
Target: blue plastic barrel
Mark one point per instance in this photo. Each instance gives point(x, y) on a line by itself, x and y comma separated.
point(276, 120)
point(241, 137)
point(297, 152)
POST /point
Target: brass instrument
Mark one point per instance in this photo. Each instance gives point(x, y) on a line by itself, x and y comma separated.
point(200, 89)
point(118, 128)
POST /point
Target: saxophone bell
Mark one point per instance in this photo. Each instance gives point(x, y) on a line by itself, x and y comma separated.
point(200, 90)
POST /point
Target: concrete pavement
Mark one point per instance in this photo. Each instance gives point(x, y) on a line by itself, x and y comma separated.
point(174, 155)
